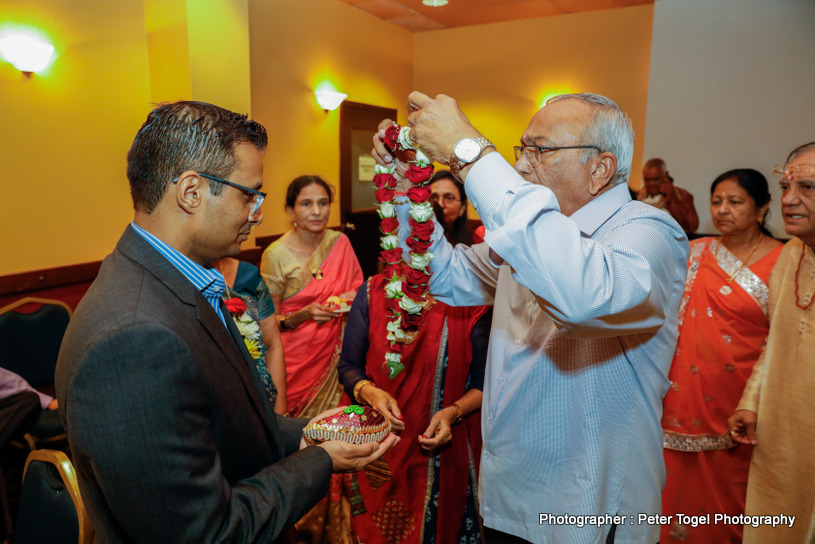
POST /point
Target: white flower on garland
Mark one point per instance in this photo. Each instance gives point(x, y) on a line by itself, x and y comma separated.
point(410, 306)
point(386, 209)
point(389, 241)
point(404, 138)
point(391, 357)
point(419, 261)
point(379, 169)
point(421, 158)
point(393, 289)
point(421, 212)
point(395, 331)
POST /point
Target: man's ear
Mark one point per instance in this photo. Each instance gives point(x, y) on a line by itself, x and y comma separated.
point(603, 169)
point(189, 189)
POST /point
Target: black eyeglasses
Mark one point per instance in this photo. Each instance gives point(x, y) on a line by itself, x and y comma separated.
point(257, 196)
point(447, 199)
point(532, 153)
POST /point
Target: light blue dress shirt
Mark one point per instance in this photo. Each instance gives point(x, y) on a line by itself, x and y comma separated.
point(209, 281)
point(583, 333)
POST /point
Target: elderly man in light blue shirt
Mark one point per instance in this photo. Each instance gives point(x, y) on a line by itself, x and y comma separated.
point(586, 285)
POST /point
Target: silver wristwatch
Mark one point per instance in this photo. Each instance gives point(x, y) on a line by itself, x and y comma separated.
point(466, 151)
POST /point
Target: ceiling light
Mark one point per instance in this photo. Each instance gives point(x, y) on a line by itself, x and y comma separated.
point(434, 3)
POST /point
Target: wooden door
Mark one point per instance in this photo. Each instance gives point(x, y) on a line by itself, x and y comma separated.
point(358, 123)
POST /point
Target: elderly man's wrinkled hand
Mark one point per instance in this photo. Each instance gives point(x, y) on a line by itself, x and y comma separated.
point(438, 124)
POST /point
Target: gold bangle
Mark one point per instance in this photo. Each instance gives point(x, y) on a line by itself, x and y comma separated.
point(458, 418)
point(358, 387)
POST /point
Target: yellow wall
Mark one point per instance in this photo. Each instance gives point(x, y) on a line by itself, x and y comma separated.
point(501, 73)
point(295, 46)
point(64, 134)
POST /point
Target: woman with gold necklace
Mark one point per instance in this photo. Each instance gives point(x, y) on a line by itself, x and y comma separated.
point(303, 269)
point(722, 326)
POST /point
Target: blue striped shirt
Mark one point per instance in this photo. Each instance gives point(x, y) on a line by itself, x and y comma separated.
point(209, 281)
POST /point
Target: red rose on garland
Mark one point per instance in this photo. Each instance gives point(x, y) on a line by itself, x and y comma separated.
point(416, 292)
point(411, 321)
point(382, 181)
point(384, 195)
point(416, 276)
point(391, 136)
point(421, 230)
point(419, 245)
point(391, 256)
point(389, 225)
point(390, 269)
point(419, 174)
point(235, 305)
point(419, 194)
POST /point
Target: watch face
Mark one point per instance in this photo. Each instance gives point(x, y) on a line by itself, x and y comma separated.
point(467, 150)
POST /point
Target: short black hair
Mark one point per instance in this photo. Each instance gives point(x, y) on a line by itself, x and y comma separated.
point(186, 135)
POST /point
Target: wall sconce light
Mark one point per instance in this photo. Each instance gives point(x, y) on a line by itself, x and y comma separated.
point(434, 3)
point(27, 53)
point(329, 100)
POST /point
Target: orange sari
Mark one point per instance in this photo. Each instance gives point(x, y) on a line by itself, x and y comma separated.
point(312, 349)
point(722, 328)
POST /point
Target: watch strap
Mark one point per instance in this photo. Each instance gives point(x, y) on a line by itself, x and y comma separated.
point(456, 165)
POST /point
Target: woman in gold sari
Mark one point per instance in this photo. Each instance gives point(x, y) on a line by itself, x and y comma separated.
point(303, 269)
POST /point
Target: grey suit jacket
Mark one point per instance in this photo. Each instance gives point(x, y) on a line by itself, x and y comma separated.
point(170, 434)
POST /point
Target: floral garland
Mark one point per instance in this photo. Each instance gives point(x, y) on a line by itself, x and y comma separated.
point(408, 281)
point(248, 327)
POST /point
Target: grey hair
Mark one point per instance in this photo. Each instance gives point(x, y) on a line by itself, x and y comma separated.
point(800, 150)
point(610, 129)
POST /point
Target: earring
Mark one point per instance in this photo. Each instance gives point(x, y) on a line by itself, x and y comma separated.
point(295, 224)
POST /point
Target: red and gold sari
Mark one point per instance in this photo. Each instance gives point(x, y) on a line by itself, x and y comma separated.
point(396, 509)
point(312, 349)
point(722, 327)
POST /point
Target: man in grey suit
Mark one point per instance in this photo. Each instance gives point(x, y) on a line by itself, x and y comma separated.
point(170, 434)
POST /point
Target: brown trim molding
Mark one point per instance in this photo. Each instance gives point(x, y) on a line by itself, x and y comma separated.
point(15, 284)
point(48, 277)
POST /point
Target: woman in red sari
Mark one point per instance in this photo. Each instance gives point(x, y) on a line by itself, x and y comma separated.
point(424, 491)
point(722, 327)
point(302, 269)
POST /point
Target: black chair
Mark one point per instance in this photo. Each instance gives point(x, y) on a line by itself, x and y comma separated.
point(29, 345)
point(29, 342)
point(51, 508)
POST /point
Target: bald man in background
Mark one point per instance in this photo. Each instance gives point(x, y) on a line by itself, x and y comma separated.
point(658, 190)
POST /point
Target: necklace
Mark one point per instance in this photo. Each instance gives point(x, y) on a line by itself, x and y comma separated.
point(797, 272)
point(726, 289)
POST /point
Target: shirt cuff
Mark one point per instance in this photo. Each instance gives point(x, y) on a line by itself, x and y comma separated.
point(482, 185)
